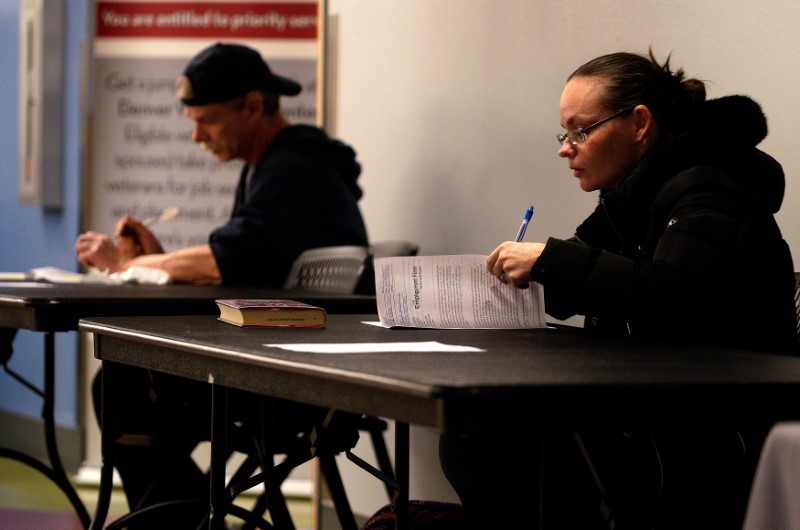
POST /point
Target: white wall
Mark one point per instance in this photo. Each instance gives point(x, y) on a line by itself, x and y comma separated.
point(452, 104)
point(452, 107)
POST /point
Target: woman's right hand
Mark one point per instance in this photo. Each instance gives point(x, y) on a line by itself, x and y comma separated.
point(512, 262)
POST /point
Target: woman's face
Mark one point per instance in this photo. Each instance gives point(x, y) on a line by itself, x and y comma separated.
point(611, 150)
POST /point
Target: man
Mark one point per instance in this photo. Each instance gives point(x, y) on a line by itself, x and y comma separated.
point(297, 191)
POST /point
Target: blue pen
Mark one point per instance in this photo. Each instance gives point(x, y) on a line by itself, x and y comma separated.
point(524, 225)
point(520, 233)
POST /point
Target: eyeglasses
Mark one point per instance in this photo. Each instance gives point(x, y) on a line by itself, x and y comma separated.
point(579, 135)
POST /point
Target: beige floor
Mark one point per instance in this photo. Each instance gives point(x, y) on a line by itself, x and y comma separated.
point(27, 494)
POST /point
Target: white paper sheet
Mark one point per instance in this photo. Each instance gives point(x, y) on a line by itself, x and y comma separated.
point(373, 347)
point(14, 276)
point(452, 292)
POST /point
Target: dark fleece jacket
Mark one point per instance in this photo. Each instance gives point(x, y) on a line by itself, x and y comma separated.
point(303, 194)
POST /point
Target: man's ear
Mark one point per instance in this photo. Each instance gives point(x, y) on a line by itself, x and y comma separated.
point(254, 104)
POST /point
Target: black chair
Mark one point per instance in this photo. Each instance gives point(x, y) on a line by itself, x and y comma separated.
point(393, 247)
point(334, 432)
point(334, 270)
point(343, 270)
point(382, 249)
point(350, 269)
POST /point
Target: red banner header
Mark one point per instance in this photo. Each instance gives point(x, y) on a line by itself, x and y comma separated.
point(262, 20)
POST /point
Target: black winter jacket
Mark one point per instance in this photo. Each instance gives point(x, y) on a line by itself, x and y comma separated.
point(687, 246)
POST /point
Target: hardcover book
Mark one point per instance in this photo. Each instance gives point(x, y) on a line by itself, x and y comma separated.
point(271, 313)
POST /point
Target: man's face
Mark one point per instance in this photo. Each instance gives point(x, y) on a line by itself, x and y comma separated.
point(220, 129)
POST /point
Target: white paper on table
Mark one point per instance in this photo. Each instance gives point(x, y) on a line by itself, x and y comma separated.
point(55, 275)
point(373, 347)
point(452, 292)
point(131, 275)
point(14, 276)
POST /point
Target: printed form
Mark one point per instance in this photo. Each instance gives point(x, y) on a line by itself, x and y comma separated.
point(452, 292)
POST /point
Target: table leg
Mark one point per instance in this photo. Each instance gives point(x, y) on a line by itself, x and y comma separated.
point(401, 459)
point(219, 412)
point(106, 446)
point(57, 467)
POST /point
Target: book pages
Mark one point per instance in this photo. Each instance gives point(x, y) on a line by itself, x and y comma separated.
point(452, 292)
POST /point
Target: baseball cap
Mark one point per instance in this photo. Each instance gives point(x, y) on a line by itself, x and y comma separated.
point(227, 71)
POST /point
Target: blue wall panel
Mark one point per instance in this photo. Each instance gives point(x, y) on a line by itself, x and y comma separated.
point(31, 236)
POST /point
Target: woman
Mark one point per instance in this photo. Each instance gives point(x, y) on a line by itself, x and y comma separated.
point(683, 243)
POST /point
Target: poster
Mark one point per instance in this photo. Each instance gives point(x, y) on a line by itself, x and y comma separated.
point(141, 155)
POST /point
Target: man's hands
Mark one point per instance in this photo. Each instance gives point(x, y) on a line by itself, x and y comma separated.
point(98, 250)
point(135, 244)
point(131, 231)
point(132, 239)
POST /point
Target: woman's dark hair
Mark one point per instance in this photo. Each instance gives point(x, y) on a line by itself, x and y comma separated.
point(634, 79)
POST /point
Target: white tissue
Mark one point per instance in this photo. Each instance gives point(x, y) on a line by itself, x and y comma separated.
point(141, 275)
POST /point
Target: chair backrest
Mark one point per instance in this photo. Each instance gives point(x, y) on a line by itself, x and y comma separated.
point(383, 249)
point(334, 270)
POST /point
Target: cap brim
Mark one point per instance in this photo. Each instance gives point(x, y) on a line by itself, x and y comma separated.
point(285, 86)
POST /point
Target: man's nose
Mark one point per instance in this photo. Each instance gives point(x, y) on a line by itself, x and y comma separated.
point(198, 134)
